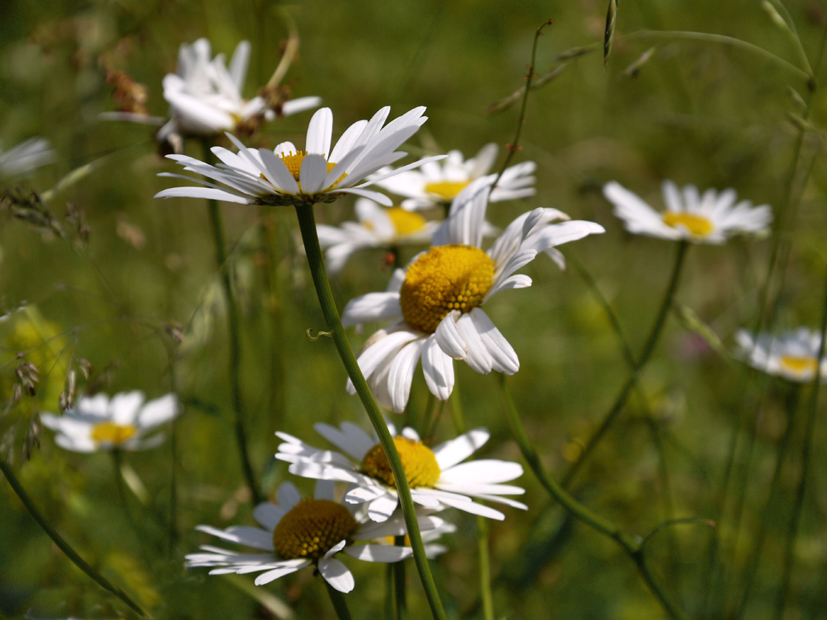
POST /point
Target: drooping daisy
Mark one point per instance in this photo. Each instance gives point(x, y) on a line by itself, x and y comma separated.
point(288, 176)
point(101, 423)
point(435, 303)
point(438, 184)
point(438, 478)
point(792, 355)
point(25, 157)
point(377, 227)
point(690, 216)
point(302, 532)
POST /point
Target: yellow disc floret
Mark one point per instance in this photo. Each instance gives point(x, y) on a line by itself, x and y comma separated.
point(697, 225)
point(406, 222)
point(419, 462)
point(110, 432)
point(446, 278)
point(311, 528)
point(447, 190)
point(799, 365)
point(293, 161)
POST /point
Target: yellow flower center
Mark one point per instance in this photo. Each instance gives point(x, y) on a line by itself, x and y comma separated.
point(311, 528)
point(697, 225)
point(801, 365)
point(447, 190)
point(112, 433)
point(293, 161)
point(406, 222)
point(421, 468)
point(445, 278)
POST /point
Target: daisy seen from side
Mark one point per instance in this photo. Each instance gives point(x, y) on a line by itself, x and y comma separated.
point(288, 176)
point(297, 532)
point(792, 355)
point(434, 305)
point(120, 423)
point(437, 184)
point(710, 217)
point(438, 477)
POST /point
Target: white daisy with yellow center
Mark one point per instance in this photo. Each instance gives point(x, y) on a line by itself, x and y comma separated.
point(701, 218)
point(289, 176)
point(792, 355)
point(438, 478)
point(100, 423)
point(298, 533)
point(438, 184)
point(376, 227)
point(435, 304)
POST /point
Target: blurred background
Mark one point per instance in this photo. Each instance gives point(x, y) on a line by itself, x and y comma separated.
point(125, 290)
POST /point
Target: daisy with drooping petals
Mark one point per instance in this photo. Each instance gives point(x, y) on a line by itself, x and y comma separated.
point(435, 304)
point(120, 423)
point(793, 355)
point(305, 532)
point(288, 176)
point(438, 478)
point(438, 184)
point(25, 157)
point(377, 227)
point(690, 216)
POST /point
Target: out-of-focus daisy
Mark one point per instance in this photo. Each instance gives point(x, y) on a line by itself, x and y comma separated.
point(288, 176)
point(376, 227)
point(302, 532)
point(435, 303)
point(438, 478)
point(98, 423)
point(792, 355)
point(701, 218)
point(25, 157)
point(438, 184)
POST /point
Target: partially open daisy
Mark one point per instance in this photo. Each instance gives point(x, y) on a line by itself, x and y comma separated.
point(98, 423)
point(289, 176)
point(298, 533)
point(701, 218)
point(435, 304)
point(792, 355)
point(377, 227)
point(438, 478)
point(25, 157)
point(438, 184)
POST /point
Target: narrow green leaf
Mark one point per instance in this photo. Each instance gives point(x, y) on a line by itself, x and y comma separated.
point(608, 37)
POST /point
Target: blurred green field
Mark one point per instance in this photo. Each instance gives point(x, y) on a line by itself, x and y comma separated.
point(697, 112)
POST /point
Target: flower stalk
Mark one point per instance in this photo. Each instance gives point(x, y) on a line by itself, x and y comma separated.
point(339, 603)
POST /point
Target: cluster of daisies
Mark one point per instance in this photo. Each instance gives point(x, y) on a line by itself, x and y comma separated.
point(432, 311)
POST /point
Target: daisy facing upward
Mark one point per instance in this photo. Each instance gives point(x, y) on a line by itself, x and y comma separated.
point(435, 304)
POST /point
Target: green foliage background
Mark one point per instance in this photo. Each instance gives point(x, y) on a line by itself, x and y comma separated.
point(697, 112)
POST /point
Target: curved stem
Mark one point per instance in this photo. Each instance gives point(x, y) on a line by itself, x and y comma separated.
point(339, 603)
point(648, 348)
point(576, 509)
point(307, 225)
point(62, 544)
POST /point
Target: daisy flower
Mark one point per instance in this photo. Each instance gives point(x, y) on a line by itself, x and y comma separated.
point(435, 304)
point(305, 532)
point(25, 158)
point(438, 184)
point(376, 227)
point(101, 423)
point(438, 478)
point(288, 176)
point(690, 216)
point(793, 355)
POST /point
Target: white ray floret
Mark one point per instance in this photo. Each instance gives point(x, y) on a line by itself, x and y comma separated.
point(438, 184)
point(792, 355)
point(438, 477)
point(288, 176)
point(434, 304)
point(710, 217)
point(296, 533)
point(100, 423)
point(24, 158)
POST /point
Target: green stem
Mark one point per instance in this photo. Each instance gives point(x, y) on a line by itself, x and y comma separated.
point(648, 348)
point(483, 541)
point(307, 225)
point(576, 509)
point(339, 603)
point(62, 544)
point(399, 583)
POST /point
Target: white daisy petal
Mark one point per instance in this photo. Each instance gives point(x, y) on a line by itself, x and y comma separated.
point(478, 357)
point(336, 574)
point(382, 507)
point(438, 369)
point(319, 132)
point(288, 495)
point(504, 358)
point(457, 450)
point(312, 174)
point(401, 374)
point(449, 338)
point(379, 553)
point(287, 567)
